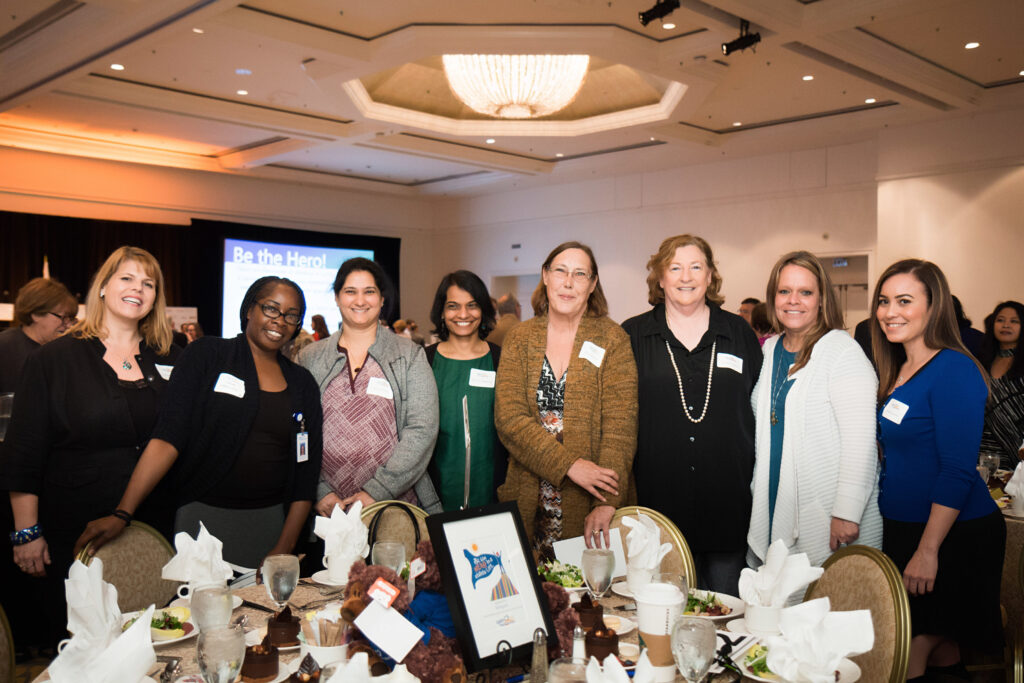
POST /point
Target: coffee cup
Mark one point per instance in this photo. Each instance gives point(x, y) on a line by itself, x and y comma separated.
point(637, 577)
point(185, 590)
point(324, 655)
point(762, 621)
point(337, 567)
point(657, 607)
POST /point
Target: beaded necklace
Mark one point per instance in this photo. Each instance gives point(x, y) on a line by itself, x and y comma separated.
point(679, 382)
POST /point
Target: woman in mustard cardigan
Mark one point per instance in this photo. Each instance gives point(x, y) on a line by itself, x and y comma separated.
point(565, 407)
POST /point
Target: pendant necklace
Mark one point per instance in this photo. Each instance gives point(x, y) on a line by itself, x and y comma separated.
point(781, 382)
point(679, 381)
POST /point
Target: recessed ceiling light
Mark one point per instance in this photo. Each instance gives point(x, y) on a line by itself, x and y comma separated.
point(242, 92)
point(117, 67)
point(668, 26)
point(243, 72)
point(198, 30)
point(971, 45)
point(652, 139)
point(559, 155)
point(870, 100)
point(737, 123)
point(808, 77)
point(489, 141)
point(1022, 72)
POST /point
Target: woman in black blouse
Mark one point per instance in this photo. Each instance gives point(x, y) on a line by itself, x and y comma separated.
point(697, 365)
point(1002, 354)
point(241, 424)
point(87, 403)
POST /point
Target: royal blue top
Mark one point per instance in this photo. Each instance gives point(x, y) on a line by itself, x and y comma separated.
point(781, 384)
point(931, 450)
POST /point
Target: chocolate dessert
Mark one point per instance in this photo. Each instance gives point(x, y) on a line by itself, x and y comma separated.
point(590, 612)
point(283, 628)
point(308, 671)
point(602, 641)
point(260, 663)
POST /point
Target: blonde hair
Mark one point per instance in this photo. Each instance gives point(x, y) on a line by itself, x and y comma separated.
point(663, 259)
point(154, 328)
point(597, 305)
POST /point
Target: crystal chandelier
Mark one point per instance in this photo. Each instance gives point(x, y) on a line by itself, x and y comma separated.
point(516, 86)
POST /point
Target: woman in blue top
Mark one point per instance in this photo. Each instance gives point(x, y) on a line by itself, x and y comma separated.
point(941, 527)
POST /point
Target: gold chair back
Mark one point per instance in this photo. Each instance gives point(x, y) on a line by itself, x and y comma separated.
point(6, 648)
point(132, 563)
point(395, 525)
point(860, 577)
point(680, 559)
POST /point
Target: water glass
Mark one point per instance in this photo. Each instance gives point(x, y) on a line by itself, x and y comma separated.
point(567, 670)
point(280, 576)
point(693, 646)
point(598, 565)
point(388, 554)
point(990, 461)
point(211, 607)
point(219, 653)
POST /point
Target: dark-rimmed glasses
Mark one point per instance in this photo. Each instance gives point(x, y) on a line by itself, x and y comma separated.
point(273, 312)
point(66, 319)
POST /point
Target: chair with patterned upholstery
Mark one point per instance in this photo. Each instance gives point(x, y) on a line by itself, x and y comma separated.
point(860, 577)
point(680, 559)
point(394, 522)
point(6, 648)
point(132, 563)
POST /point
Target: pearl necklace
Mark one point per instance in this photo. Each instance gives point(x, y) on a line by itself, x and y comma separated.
point(679, 382)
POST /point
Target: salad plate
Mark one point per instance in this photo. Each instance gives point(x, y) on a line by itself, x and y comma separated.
point(190, 628)
point(568, 576)
point(847, 670)
point(735, 605)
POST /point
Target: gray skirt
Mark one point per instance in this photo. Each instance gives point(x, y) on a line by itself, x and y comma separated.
point(247, 535)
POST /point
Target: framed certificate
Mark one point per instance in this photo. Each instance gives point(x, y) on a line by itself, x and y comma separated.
point(491, 582)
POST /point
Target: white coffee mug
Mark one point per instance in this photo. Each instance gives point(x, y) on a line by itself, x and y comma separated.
point(338, 567)
point(324, 655)
point(762, 621)
point(186, 589)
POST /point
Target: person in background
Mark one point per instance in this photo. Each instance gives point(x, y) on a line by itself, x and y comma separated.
point(816, 477)
point(696, 368)
point(747, 307)
point(319, 326)
point(464, 367)
point(509, 315)
point(1002, 354)
point(241, 427)
point(971, 337)
point(85, 406)
point(862, 335)
point(761, 323)
point(943, 531)
point(178, 337)
point(43, 310)
point(565, 407)
point(192, 331)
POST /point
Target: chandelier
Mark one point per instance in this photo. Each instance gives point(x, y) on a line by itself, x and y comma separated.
point(516, 86)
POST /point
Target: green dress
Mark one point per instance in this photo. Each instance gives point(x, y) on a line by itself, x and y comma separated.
point(449, 462)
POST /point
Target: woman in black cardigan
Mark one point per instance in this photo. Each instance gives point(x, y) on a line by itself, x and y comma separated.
point(241, 424)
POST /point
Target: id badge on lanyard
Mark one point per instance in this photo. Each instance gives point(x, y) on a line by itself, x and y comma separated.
point(301, 439)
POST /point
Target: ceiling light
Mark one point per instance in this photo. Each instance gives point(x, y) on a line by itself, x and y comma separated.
point(198, 30)
point(808, 77)
point(243, 72)
point(972, 45)
point(870, 100)
point(117, 67)
point(489, 141)
point(559, 155)
point(746, 39)
point(1021, 72)
point(516, 86)
point(737, 123)
point(661, 9)
point(242, 92)
point(668, 26)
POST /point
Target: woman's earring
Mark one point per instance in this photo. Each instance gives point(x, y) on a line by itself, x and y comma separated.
point(102, 292)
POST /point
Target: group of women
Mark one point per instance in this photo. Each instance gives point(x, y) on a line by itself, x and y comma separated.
point(678, 409)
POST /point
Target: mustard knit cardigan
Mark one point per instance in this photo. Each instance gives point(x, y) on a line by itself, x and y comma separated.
point(599, 421)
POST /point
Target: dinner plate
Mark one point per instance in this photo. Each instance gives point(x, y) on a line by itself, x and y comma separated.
point(620, 588)
point(735, 604)
point(125, 618)
point(848, 673)
point(625, 625)
point(323, 577)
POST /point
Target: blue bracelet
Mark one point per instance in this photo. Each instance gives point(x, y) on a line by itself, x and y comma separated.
point(26, 535)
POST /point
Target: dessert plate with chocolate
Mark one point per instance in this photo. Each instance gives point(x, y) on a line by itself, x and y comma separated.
point(621, 625)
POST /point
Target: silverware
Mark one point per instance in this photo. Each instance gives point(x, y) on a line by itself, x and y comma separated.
point(254, 605)
point(173, 667)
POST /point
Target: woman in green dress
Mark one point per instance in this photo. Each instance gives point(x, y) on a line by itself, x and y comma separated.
point(466, 472)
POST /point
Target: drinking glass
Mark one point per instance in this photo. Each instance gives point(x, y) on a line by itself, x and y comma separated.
point(211, 607)
point(598, 565)
point(693, 646)
point(567, 670)
point(219, 653)
point(280, 576)
point(388, 554)
point(990, 461)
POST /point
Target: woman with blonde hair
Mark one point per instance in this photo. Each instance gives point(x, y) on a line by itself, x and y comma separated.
point(87, 403)
point(565, 407)
point(816, 476)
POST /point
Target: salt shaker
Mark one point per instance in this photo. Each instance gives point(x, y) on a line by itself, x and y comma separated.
point(539, 663)
point(579, 646)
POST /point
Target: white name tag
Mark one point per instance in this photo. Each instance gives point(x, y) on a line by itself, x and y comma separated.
point(592, 352)
point(229, 384)
point(481, 378)
point(379, 387)
point(164, 370)
point(895, 410)
point(727, 360)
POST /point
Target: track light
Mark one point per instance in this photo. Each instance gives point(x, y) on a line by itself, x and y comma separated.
point(745, 40)
point(661, 9)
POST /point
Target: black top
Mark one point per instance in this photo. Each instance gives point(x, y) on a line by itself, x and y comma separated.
point(15, 346)
point(209, 424)
point(697, 474)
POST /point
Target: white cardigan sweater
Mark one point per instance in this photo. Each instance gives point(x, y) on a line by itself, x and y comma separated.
point(829, 451)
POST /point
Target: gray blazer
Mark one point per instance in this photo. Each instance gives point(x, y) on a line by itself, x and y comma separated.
point(416, 413)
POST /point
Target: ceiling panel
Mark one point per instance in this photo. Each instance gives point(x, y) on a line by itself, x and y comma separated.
point(379, 164)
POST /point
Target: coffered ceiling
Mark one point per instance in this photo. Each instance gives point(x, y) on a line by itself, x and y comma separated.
point(352, 93)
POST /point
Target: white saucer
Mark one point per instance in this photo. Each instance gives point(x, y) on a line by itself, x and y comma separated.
point(236, 602)
point(620, 588)
point(625, 625)
point(323, 577)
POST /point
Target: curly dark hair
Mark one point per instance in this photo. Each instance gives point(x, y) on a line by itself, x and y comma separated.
point(260, 289)
point(467, 281)
point(990, 345)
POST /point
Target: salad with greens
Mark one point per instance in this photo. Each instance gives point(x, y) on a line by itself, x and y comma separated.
point(706, 604)
point(756, 662)
point(565, 575)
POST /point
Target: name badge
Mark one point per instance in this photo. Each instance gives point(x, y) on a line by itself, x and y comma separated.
point(592, 352)
point(302, 447)
point(481, 378)
point(229, 384)
point(895, 410)
point(379, 387)
point(164, 370)
point(727, 360)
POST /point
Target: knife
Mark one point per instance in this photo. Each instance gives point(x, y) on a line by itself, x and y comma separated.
point(253, 605)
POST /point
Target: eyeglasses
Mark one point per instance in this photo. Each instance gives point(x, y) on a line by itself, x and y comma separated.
point(578, 276)
point(274, 312)
point(66, 319)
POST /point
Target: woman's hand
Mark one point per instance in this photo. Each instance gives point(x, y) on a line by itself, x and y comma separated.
point(596, 525)
point(842, 531)
point(919, 576)
point(591, 476)
point(363, 496)
point(100, 531)
point(325, 506)
point(32, 557)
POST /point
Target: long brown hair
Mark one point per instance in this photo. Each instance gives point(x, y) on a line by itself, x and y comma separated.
point(829, 318)
point(940, 330)
point(154, 328)
point(597, 305)
point(666, 252)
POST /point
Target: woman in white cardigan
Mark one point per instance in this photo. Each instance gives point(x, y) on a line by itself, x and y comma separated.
point(816, 471)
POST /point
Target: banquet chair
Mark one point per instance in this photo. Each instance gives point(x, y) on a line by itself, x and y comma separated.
point(395, 524)
point(132, 563)
point(6, 648)
point(861, 577)
point(679, 560)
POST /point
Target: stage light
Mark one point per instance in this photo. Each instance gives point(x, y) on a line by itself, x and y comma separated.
point(745, 40)
point(661, 9)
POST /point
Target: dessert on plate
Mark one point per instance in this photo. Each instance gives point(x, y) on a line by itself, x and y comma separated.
point(283, 628)
point(260, 663)
point(602, 641)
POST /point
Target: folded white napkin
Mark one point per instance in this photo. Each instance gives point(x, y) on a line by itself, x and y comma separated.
point(1015, 487)
point(356, 671)
point(344, 534)
point(611, 672)
point(780, 576)
point(93, 615)
point(399, 675)
point(814, 640)
point(644, 542)
point(199, 561)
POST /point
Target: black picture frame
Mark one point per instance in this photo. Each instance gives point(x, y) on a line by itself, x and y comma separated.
point(466, 620)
